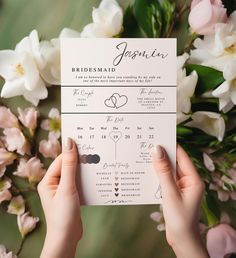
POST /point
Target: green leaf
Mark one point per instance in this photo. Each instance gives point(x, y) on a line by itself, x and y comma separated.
point(208, 78)
point(131, 27)
point(148, 14)
point(169, 13)
point(210, 210)
point(183, 131)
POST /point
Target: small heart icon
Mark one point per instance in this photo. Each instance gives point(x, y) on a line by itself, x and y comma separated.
point(116, 194)
point(116, 189)
point(115, 135)
point(111, 102)
point(116, 184)
point(116, 178)
point(121, 100)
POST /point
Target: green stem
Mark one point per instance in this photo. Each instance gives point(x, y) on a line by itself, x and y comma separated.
point(196, 100)
point(21, 246)
point(189, 45)
point(178, 16)
point(212, 220)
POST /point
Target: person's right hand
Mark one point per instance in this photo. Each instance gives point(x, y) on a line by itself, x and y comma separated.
point(181, 203)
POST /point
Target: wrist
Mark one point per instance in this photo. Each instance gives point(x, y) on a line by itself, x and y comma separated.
point(59, 246)
point(190, 245)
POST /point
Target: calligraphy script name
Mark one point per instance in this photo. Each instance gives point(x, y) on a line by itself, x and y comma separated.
point(126, 53)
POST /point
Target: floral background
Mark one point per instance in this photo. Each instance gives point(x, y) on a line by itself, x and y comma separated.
point(206, 117)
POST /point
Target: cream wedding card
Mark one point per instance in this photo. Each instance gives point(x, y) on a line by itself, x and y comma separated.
point(118, 100)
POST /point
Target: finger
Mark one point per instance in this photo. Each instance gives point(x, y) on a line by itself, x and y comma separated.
point(49, 183)
point(54, 170)
point(69, 166)
point(163, 169)
point(185, 164)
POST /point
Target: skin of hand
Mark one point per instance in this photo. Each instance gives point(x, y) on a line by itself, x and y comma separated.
point(60, 200)
point(181, 203)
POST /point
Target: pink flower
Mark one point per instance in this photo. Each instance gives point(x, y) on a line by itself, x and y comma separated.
point(50, 148)
point(218, 184)
point(2, 170)
point(6, 158)
point(221, 241)
point(28, 117)
point(5, 196)
point(53, 124)
point(31, 169)
point(205, 14)
point(158, 217)
point(5, 254)
point(7, 119)
point(16, 141)
point(17, 205)
point(26, 223)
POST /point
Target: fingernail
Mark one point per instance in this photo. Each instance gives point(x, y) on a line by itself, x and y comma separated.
point(68, 144)
point(159, 152)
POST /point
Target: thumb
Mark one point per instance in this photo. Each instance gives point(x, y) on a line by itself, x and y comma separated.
point(69, 166)
point(163, 169)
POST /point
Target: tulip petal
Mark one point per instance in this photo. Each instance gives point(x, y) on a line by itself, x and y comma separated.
point(221, 241)
point(204, 7)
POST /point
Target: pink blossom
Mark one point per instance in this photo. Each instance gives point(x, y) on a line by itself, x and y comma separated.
point(6, 157)
point(232, 174)
point(221, 241)
point(218, 185)
point(2, 170)
point(31, 169)
point(16, 141)
point(17, 205)
point(158, 217)
point(5, 254)
point(5, 183)
point(28, 117)
point(5, 196)
point(26, 223)
point(53, 124)
point(205, 14)
point(7, 119)
point(50, 148)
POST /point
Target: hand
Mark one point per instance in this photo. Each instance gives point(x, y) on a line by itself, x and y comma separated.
point(181, 203)
point(61, 205)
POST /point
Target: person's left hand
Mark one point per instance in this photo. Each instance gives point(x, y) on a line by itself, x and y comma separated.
point(61, 204)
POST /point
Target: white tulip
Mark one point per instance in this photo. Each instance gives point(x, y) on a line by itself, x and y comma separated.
point(226, 92)
point(185, 89)
point(107, 21)
point(209, 122)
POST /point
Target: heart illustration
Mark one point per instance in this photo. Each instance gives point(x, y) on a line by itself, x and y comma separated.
point(111, 102)
point(116, 184)
point(115, 135)
point(116, 189)
point(116, 178)
point(116, 194)
point(121, 100)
